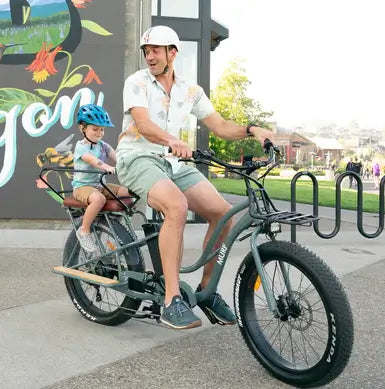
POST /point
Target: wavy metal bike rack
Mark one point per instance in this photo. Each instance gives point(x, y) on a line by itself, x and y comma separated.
point(337, 224)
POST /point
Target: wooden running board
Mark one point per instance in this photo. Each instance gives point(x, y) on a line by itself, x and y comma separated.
point(93, 278)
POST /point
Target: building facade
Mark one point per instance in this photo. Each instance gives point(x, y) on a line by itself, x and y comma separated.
point(67, 53)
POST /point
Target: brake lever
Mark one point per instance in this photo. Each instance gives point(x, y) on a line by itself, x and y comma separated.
point(267, 145)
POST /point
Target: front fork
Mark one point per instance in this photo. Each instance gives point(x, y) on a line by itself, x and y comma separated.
point(271, 301)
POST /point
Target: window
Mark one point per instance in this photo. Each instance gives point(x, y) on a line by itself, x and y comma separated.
point(154, 9)
point(186, 66)
point(180, 8)
point(186, 63)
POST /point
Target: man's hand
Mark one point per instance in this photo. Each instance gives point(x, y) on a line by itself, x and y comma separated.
point(261, 134)
point(180, 149)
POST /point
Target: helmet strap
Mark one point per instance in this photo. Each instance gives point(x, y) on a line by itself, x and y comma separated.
point(165, 70)
point(89, 140)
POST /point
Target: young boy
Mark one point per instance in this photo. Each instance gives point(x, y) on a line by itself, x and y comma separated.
point(90, 153)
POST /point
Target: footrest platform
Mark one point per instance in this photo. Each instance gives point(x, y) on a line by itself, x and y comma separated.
point(81, 275)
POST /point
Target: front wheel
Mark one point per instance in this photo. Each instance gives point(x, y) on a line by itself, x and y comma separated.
point(310, 343)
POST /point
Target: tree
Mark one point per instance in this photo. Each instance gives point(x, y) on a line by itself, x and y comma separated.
point(231, 102)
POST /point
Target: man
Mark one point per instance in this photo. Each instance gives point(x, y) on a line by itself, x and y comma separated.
point(350, 168)
point(357, 166)
point(156, 104)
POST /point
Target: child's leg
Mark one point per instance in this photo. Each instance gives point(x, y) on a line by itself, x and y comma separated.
point(96, 202)
point(123, 191)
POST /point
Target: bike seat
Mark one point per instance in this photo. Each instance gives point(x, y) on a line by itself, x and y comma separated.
point(110, 206)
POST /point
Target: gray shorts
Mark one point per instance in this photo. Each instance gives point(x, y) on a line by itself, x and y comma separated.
point(139, 173)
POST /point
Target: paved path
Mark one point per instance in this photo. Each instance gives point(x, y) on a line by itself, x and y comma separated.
point(217, 357)
point(44, 342)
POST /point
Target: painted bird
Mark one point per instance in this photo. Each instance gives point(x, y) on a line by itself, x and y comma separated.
point(4, 47)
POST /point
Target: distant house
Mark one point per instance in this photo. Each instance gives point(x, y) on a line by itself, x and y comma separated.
point(328, 149)
point(295, 148)
point(299, 150)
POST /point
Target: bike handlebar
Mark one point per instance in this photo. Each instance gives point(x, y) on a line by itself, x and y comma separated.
point(208, 156)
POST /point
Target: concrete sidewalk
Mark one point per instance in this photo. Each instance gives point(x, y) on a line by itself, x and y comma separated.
point(46, 343)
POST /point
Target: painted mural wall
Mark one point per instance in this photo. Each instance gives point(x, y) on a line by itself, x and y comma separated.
point(55, 55)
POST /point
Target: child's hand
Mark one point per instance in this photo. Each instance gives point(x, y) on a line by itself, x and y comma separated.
point(108, 168)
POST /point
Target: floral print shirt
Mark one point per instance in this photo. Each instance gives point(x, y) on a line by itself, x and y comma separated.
point(169, 112)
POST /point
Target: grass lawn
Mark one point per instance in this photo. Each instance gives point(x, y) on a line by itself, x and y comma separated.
point(279, 189)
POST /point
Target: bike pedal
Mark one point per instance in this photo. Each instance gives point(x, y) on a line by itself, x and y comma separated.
point(210, 316)
point(213, 319)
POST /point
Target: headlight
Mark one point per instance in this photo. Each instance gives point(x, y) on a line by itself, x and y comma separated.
point(275, 227)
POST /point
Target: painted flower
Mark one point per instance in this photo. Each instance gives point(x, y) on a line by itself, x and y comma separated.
point(44, 63)
point(92, 76)
point(80, 3)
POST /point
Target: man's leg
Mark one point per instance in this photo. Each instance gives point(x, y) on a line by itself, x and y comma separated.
point(204, 200)
point(165, 197)
point(149, 179)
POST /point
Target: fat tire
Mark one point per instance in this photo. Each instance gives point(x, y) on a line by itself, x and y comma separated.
point(74, 286)
point(335, 302)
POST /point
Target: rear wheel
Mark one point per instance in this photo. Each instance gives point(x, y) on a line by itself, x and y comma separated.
point(98, 303)
point(310, 343)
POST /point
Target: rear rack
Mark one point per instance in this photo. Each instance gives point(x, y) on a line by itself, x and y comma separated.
point(285, 217)
point(261, 207)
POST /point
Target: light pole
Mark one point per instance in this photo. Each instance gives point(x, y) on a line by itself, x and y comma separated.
point(312, 154)
point(328, 159)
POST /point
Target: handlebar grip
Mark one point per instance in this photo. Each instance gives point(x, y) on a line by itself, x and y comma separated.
point(267, 145)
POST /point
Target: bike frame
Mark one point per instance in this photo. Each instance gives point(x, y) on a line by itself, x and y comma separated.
point(260, 216)
point(207, 255)
point(307, 336)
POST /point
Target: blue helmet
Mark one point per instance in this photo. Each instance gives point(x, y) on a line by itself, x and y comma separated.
point(94, 114)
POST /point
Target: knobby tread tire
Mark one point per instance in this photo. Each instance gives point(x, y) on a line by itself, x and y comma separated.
point(334, 300)
point(78, 297)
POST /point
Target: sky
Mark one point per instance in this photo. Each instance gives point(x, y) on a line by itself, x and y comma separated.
point(309, 61)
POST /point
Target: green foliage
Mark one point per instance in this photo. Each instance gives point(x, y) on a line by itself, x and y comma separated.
point(231, 102)
point(318, 172)
point(349, 153)
point(273, 172)
point(95, 28)
point(9, 97)
point(52, 29)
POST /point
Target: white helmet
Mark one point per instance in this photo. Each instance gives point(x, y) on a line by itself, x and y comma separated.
point(160, 36)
